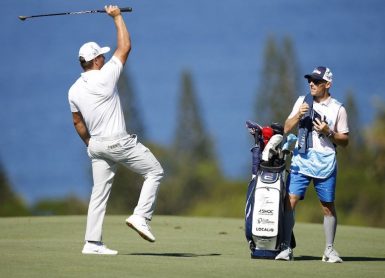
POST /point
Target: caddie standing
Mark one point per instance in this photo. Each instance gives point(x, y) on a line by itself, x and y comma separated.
point(98, 119)
point(323, 124)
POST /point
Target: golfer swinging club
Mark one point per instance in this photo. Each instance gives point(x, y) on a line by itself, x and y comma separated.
point(98, 119)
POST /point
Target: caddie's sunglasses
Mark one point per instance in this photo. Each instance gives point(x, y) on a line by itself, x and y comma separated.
point(316, 81)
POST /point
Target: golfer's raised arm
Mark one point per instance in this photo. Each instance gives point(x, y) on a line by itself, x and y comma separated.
point(123, 37)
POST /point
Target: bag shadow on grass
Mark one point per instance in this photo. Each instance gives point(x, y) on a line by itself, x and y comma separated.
point(345, 259)
point(179, 255)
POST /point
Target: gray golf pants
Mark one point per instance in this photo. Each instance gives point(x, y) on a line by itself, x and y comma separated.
point(105, 153)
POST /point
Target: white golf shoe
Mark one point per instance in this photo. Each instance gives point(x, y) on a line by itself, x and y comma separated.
point(286, 254)
point(331, 256)
point(97, 248)
point(140, 225)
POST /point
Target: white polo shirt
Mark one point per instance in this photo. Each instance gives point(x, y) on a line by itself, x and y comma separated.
point(320, 160)
point(96, 97)
point(336, 118)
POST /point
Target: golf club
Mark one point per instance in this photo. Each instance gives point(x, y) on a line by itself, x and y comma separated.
point(23, 17)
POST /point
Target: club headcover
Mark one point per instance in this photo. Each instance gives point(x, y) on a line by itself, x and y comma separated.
point(253, 127)
point(267, 133)
point(277, 128)
point(290, 141)
point(271, 146)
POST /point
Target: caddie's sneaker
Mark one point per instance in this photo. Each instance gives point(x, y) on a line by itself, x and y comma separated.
point(97, 248)
point(331, 256)
point(286, 254)
point(140, 225)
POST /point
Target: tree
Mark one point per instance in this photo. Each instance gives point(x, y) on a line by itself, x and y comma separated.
point(194, 169)
point(376, 140)
point(10, 203)
point(363, 177)
point(191, 139)
point(349, 155)
point(356, 134)
point(132, 116)
point(70, 205)
point(279, 83)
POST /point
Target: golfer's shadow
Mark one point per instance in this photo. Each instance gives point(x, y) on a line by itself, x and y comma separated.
point(345, 259)
point(178, 255)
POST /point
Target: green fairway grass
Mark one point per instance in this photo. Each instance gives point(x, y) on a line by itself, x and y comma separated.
point(185, 247)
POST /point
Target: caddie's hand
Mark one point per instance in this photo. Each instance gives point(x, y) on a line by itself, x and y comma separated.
point(303, 109)
point(321, 126)
point(112, 10)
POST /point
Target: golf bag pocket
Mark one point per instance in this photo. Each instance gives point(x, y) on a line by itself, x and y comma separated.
point(264, 212)
point(266, 209)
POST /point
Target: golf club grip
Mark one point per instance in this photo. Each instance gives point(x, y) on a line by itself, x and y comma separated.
point(122, 10)
point(126, 9)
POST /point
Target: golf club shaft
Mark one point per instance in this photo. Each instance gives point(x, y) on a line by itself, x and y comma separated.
point(127, 9)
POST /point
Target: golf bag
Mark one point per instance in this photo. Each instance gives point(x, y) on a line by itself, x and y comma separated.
point(265, 195)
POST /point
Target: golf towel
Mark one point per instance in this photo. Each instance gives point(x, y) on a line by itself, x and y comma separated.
point(305, 128)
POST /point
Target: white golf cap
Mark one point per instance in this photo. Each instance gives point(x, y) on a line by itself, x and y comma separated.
point(91, 50)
